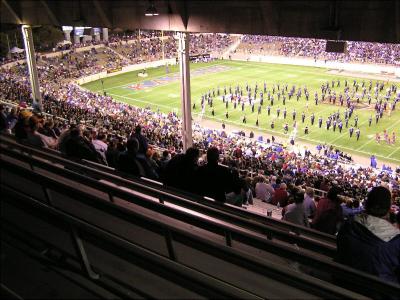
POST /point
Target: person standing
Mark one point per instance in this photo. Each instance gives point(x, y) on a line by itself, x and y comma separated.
point(374, 163)
point(358, 133)
point(143, 145)
point(351, 130)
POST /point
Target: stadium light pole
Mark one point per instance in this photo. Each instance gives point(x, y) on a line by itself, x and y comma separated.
point(183, 52)
point(31, 62)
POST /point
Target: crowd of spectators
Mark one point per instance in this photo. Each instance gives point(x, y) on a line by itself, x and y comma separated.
point(97, 128)
point(229, 168)
point(364, 52)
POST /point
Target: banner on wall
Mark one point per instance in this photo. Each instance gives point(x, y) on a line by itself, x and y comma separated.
point(114, 70)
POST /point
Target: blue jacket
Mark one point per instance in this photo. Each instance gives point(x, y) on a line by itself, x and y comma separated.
point(361, 249)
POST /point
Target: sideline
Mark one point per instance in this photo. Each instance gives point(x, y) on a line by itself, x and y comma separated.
point(231, 127)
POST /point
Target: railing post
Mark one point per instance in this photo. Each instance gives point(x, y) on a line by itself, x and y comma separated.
point(228, 238)
point(170, 246)
point(110, 195)
point(47, 195)
point(83, 256)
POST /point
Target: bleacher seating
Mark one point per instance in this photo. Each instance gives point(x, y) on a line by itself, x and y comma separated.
point(180, 234)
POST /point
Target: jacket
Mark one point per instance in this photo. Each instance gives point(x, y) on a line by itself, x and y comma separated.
point(372, 245)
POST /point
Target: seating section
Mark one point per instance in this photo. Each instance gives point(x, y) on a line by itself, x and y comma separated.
point(75, 218)
point(256, 263)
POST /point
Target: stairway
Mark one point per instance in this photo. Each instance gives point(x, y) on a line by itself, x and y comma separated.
point(233, 47)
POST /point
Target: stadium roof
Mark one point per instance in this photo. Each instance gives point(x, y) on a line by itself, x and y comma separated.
point(368, 20)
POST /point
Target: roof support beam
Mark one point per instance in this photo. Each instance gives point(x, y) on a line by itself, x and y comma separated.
point(397, 19)
point(17, 18)
point(52, 16)
point(102, 15)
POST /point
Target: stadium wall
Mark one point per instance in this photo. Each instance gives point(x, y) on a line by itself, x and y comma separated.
point(351, 67)
point(130, 68)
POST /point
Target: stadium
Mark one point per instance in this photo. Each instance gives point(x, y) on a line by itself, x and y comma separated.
point(181, 155)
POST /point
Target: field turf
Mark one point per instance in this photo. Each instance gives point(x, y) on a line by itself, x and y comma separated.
point(161, 90)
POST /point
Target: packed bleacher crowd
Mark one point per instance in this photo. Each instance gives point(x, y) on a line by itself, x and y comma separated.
point(105, 127)
point(226, 167)
point(364, 52)
point(149, 46)
point(101, 130)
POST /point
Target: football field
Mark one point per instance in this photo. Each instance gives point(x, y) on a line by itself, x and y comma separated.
point(161, 90)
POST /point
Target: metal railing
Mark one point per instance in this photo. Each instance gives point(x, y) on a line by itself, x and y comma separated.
point(189, 282)
point(367, 283)
point(173, 196)
point(178, 242)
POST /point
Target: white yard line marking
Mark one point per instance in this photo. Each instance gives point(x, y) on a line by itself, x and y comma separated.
point(142, 101)
point(391, 153)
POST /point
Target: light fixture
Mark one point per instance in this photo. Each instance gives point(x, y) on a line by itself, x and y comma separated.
point(151, 10)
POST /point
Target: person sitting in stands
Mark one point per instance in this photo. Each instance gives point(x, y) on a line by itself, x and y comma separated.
point(370, 243)
point(129, 162)
point(236, 197)
point(329, 214)
point(215, 180)
point(295, 212)
point(3, 118)
point(263, 190)
point(180, 171)
point(281, 196)
point(309, 204)
point(34, 138)
point(78, 147)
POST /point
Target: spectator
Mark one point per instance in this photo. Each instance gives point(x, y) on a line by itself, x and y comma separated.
point(12, 119)
point(165, 158)
point(369, 242)
point(281, 196)
point(309, 204)
point(34, 138)
point(3, 118)
point(351, 208)
point(112, 153)
point(180, 172)
point(128, 161)
point(247, 192)
point(295, 212)
point(328, 216)
point(143, 145)
point(99, 143)
point(78, 147)
point(215, 180)
point(236, 197)
point(262, 190)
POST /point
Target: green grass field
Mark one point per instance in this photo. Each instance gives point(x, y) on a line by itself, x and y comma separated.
point(165, 96)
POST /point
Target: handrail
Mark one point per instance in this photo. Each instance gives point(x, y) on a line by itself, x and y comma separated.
point(270, 232)
point(189, 277)
point(349, 275)
point(168, 194)
point(236, 257)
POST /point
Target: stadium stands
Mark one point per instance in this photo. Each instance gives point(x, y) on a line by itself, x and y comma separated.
point(107, 227)
point(314, 48)
point(90, 200)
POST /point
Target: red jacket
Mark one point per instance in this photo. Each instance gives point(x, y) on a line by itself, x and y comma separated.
point(280, 196)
